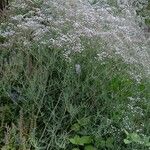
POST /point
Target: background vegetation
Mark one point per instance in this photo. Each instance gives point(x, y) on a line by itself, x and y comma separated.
point(82, 101)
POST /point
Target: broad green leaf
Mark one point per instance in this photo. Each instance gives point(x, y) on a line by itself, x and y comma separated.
point(127, 141)
point(76, 140)
point(86, 140)
point(135, 137)
point(75, 127)
point(89, 147)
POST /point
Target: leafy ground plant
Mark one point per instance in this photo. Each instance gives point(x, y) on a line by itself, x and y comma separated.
point(134, 137)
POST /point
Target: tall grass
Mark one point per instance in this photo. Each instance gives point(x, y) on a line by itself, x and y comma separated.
point(51, 96)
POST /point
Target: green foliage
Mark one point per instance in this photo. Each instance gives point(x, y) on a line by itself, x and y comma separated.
point(147, 22)
point(89, 147)
point(2, 39)
point(82, 140)
point(77, 140)
point(81, 123)
point(93, 1)
point(37, 3)
point(144, 12)
point(89, 142)
point(135, 138)
point(59, 104)
point(75, 127)
point(105, 143)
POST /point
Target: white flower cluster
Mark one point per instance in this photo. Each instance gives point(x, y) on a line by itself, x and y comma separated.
point(67, 23)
